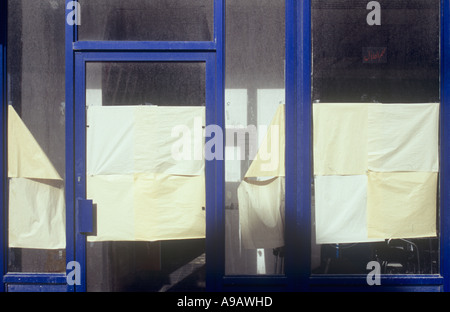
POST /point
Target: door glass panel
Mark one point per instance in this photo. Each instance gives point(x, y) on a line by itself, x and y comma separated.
point(254, 154)
point(146, 20)
point(376, 94)
point(36, 136)
point(145, 174)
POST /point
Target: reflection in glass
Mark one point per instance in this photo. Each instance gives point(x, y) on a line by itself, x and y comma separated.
point(378, 79)
point(147, 20)
point(254, 108)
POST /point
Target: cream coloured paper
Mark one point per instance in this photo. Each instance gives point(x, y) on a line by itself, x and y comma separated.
point(402, 205)
point(26, 159)
point(36, 192)
point(169, 207)
point(36, 214)
point(148, 207)
point(261, 213)
point(169, 140)
point(403, 137)
point(341, 209)
point(270, 159)
point(113, 196)
point(340, 138)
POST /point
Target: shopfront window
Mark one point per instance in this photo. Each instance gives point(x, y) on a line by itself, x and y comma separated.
point(36, 136)
point(254, 154)
point(376, 98)
point(146, 20)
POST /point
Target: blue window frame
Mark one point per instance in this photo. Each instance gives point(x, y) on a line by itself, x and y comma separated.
point(298, 157)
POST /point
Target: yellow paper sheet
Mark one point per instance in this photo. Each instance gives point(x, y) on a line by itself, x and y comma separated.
point(36, 214)
point(159, 129)
point(402, 205)
point(261, 213)
point(113, 196)
point(340, 138)
point(403, 137)
point(270, 159)
point(169, 207)
point(26, 159)
point(36, 192)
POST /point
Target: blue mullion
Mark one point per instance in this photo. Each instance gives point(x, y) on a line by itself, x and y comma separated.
point(445, 146)
point(302, 126)
point(3, 136)
point(70, 37)
point(215, 224)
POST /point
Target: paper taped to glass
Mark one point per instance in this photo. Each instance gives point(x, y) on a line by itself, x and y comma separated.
point(396, 148)
point(339, 201)
point(36, 192)
point(148, 182)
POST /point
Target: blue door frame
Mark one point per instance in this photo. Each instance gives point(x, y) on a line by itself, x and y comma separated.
point(298, 158)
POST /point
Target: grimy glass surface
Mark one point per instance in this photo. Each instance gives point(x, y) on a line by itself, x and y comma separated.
point(383, 55)
point(255, 88)
point(36, 90)
point(164, 266)
point(146, 20)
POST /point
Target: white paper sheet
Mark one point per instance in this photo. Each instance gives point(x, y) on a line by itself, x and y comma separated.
point(403, 137)
point(110, 140)
point(341, 209)
point(261, 213)
point(136, 139)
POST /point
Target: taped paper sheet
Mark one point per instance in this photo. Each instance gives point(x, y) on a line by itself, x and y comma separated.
point(169, 207)
point(36, 214)
point(270, 159)
point(340, 139)
point(114, 196)
point(26, 159)
point(136, 139)
point(341, 209)
point(261, 213)
point(402, 205)
point(142, 191)
point(148, 207)
point(403, 137)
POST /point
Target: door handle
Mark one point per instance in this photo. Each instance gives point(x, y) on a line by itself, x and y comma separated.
point(85, 217)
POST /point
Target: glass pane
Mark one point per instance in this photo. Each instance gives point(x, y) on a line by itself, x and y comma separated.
point(36, 133)
point(376, 94)
point(147, 20)
point(150, 204)
point(254, 155)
